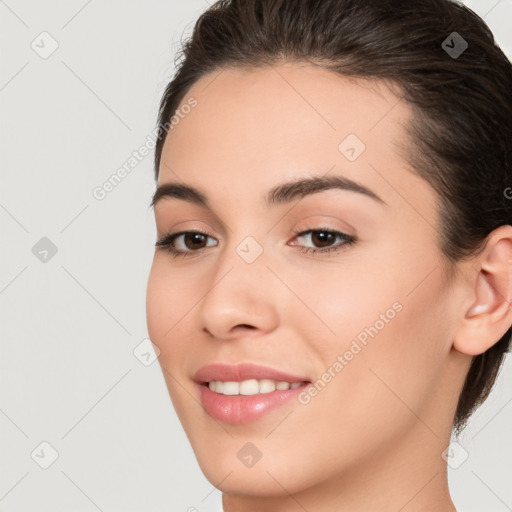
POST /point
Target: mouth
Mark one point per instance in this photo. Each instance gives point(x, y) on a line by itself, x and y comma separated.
point(244, 393)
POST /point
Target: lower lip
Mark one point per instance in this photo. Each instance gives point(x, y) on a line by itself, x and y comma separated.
point(243, 409)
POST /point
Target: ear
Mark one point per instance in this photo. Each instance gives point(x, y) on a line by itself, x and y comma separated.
point(490, 294)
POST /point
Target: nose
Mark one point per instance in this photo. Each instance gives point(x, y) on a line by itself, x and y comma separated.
point(239, 299)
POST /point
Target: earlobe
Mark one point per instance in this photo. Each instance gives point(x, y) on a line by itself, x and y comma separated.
point(490, 314)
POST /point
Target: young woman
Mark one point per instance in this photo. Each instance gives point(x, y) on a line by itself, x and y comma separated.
point(331, 287)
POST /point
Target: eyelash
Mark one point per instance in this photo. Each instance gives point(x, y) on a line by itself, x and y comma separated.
point(166, 242)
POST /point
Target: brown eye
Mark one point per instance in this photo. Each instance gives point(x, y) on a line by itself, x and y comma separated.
point(184, 243)
point(323, 240)
point(194, 240)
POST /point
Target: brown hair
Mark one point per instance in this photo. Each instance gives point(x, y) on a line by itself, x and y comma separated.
point(461, 133)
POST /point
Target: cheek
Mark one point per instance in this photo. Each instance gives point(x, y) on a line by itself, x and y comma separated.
point(392, 332)
point(156, 291)
point(390, 376)
point(166, 306)
point(168, 296)
point(389, 296)
point(166, 321)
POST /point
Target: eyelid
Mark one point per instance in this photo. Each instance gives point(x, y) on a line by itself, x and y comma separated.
point(318, 221)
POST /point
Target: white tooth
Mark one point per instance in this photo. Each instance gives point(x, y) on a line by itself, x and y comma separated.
point(249, 387)
point(267, 386)
point(231, 388)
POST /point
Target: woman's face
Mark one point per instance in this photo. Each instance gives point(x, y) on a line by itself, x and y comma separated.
point(364, 330)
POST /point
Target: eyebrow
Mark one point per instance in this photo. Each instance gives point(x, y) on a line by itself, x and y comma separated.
point(281, 194)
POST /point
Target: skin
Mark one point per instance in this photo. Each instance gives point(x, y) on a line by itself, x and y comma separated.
point(372, 439)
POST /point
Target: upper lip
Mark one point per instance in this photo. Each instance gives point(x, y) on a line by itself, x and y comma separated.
point(242, 371)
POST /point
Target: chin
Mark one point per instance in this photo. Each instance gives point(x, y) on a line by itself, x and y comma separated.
point(263, 479)
point(224, 466)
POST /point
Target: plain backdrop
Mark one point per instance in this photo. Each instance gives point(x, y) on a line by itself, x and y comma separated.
point(80, 83)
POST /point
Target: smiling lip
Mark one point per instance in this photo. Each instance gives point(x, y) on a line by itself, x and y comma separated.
point(243, 371)
point(241, 409)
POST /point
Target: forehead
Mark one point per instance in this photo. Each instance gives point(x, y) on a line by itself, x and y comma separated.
point(280, 110)
point(269, 124)
point(305, 86)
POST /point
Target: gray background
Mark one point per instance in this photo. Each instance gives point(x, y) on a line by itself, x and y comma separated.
point(69, 326)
